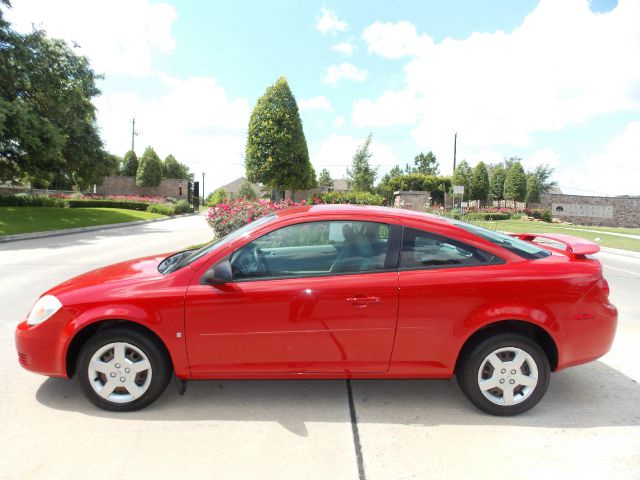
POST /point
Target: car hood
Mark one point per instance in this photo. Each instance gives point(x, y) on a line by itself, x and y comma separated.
point(134, 271)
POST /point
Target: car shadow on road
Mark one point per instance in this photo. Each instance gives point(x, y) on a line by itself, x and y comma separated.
point(593, 395)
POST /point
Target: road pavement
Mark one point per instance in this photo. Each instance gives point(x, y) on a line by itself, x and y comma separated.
point(587, 426)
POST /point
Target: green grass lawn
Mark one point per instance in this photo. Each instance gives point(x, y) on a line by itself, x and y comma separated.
point(14, 220)
point(522, 226)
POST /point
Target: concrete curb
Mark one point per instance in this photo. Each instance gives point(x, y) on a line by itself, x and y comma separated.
point(69, 231)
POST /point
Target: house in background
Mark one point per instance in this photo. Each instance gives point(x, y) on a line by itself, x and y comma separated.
point(232, 189)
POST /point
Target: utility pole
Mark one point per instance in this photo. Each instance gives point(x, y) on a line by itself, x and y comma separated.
point(133, 133)
point(455, 142)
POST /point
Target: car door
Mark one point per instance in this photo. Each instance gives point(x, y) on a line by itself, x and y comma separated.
point(313, 297)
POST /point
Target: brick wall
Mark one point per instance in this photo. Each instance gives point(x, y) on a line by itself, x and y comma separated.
point(118, 185)
point(597, 211)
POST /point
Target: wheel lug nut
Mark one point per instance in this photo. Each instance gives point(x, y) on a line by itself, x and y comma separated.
point(512, 381)
point(513, 372)
point(117, 365)
point(127, 370)
point(502, 380)
point(113, 374)
point(122, 379)
point(501, 371)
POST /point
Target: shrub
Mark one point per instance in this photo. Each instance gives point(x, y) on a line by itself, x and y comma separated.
point(226, 217)
point(161, 209)
point(182, 206)
point(543, 214)
point(485, 216)
point(217, 197)
point(355, 198)
point(107, 204)
point(22, 200)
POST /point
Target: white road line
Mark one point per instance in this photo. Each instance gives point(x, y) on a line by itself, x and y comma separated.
point(623, 270)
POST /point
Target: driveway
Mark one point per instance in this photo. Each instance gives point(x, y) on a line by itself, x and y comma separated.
point(588, 425)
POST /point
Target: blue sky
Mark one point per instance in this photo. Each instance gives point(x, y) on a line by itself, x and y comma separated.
point(552, 81)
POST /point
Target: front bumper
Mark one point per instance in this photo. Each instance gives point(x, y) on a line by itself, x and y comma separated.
point(41, 348)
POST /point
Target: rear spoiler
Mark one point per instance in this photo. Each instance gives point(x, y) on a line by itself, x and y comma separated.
point(574, 245)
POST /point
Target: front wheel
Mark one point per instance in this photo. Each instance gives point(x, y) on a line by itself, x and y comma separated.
point(121, 369)
point(506, 374)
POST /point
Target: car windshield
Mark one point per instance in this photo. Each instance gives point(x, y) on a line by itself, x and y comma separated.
point(189, 256)
point(519, 247)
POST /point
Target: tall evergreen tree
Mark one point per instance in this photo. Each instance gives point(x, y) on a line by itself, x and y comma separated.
point(276, 153)
point(533, 189)
point(361, 175)
point(130, 164)
point(496, 182)
point(149, 172)
point(515, 184)
point(462, 176)
point(479, 186)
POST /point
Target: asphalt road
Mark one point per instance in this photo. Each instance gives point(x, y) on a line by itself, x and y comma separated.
point(587, 426)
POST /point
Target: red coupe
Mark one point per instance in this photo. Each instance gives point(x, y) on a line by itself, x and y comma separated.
point(331, 292)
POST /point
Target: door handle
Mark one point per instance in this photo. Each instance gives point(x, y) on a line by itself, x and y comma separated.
point(363, 301)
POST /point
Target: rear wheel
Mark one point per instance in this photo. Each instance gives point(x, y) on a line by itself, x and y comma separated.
point(121, 369)
point(506, 374)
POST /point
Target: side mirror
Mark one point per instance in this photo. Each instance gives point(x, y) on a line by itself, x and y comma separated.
point(218, 274)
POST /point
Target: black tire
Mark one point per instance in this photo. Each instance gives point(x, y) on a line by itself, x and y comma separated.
point(507, 345)
point(139, 346)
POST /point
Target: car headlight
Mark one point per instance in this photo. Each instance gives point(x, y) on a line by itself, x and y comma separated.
point(43, 309)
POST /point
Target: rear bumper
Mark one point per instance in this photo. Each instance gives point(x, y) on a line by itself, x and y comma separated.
point(40, 350)
point(589, 339)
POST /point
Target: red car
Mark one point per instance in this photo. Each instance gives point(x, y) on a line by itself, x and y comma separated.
point(331, 292)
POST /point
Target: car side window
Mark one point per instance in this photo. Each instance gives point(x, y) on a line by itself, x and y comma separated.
point(314, 249)
point(424, 250)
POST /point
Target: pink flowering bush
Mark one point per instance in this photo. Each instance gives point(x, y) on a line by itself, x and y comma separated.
point(226, 217)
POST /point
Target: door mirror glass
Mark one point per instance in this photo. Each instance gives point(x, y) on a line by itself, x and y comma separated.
point(218, 274)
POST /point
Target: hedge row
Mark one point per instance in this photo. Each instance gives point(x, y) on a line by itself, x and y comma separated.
point(182, 206)
point(355, 198)
point(487, 216)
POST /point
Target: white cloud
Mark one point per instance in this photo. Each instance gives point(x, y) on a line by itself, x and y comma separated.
point(346, 48)
point(336, 152)
point(344, 70)
point(119, 36)
point(615, 171)
point(315, 103)
point(395, 40)
point(194, 120)
point(328, 23)
point(563, 65)
point(339, 121)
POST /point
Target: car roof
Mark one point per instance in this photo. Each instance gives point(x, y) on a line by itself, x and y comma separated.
point(369, 210)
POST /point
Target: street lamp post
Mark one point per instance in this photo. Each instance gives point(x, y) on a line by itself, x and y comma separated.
point(203, 189)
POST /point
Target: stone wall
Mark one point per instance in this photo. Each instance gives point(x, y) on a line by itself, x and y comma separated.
point(412, 200)
point(597, 211)
point(119, 185)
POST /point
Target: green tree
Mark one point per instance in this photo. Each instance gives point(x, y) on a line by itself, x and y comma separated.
point(246, 191)
point(479, 185)
point(515, 184)
point(276, 153)
point(496, 182)
point(462, 176)
point(533, 189)
point(149, 172)
point(426, 164)
point(217, 197)
point(361, 175)
point(325, 180)
point(543, 175)
point(48, 132)
point(130, 164)
point(171, 168)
